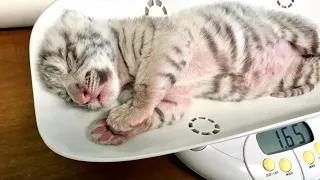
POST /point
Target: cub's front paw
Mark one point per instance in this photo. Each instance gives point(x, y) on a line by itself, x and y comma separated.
point(100, 134)
point(125, 118)
point(122, 123)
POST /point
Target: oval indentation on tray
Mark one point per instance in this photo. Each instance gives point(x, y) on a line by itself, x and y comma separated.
point(203, 126)
point(152, 5)
point(285, 3)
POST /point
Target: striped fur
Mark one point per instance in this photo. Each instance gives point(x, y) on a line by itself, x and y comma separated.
point(303, 80)
point(146, 70)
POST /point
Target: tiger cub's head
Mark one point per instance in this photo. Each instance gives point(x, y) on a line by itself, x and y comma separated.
point(77, 61)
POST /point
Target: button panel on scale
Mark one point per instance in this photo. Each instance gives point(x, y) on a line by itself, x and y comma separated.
point(284, 165)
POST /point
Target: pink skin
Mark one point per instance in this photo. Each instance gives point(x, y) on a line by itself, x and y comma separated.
point(271, 63)
point(179, 95)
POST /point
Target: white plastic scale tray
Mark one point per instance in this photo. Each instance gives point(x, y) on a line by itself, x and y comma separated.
point(63, 128)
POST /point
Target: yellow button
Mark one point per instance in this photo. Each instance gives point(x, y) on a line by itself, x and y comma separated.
point(268, 164)
point(317, 147)
point(308, 157)
point(285, 165)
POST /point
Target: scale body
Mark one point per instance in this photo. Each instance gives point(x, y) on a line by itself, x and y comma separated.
point(262, 156)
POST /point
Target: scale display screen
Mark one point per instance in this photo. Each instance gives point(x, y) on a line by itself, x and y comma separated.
point(284, 138)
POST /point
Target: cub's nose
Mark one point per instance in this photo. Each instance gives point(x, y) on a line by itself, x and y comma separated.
point(85, 96)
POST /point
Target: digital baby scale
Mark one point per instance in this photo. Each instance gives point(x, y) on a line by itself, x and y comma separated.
point(262, 139)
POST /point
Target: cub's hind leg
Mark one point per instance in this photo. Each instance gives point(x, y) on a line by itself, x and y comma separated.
point(294, 91)
point(301, 80)
point(303, 36)
point(299, 31)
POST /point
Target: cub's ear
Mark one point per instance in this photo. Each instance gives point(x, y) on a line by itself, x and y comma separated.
point(69, 16)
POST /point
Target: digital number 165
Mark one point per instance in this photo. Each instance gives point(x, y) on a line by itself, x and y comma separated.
point(289, 142)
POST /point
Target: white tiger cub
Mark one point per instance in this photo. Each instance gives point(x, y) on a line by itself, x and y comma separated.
point(146, 70)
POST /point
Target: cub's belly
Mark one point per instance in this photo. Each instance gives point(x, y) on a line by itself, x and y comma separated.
point(252, 73)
